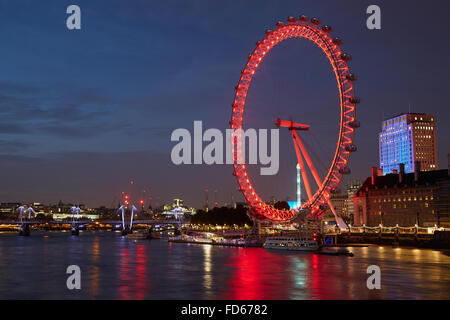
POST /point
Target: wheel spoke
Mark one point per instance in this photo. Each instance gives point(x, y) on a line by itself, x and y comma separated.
point(308, 159)
point(302, 168)
point(338, 61)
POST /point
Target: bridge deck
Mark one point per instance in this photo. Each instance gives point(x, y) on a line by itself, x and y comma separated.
point(89, 222)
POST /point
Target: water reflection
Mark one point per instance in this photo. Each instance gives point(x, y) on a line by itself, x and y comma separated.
point(142, 282)
point(124, 273)
point(257, 274)
point(207, 277)
point(95, 268)
point(300, 269)
point(116, 267)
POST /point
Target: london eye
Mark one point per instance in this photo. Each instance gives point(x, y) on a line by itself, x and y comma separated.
point(318, 201)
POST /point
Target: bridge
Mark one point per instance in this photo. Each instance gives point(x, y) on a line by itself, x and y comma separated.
point(89, 222)
point(24, 228)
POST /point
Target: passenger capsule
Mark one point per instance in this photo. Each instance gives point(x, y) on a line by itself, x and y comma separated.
point(337, 40)
point(350, 148)
point(354, 124)
point(354, 100)
point(292, 19)
point(268, 31)
point(280, 24)
point(303, 18)
point(345, 170)
point(315, 21)
point(326, 28)
point(351, 77)
point(346, 57)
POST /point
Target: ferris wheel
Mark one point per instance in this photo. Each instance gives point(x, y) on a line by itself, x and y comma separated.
point(317, 201)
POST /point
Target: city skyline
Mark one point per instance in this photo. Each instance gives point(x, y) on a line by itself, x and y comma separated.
point(216, 156)
point(78, 124)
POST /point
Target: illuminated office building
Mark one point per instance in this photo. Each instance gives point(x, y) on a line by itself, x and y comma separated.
point(408, 138)
point(177, 203)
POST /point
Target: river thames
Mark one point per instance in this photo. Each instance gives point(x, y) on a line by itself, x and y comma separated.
point(113, 267)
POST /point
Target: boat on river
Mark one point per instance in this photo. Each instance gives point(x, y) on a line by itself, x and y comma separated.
point(138, 236)
point(338, 252)
point(291, 243)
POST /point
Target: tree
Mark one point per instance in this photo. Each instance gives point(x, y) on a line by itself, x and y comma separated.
point(222, 216)
point(280, 205)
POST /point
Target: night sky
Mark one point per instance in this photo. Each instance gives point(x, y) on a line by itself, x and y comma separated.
point(84, 112)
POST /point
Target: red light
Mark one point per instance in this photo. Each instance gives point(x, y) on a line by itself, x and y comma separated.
point(346, 89)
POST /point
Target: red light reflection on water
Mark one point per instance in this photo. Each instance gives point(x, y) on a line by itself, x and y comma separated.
point(133, 277)
point(328, 278)
point(124, 274)
point(248, 280)
point(260, 274)
point(315, 278)
point(141, 272)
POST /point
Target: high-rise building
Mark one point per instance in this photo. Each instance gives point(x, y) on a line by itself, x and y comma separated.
point(339, 201)
point(408, 138)
point(352, 188)
point(177, 203)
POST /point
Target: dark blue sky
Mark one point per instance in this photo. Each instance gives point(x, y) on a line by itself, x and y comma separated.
point(84, 112)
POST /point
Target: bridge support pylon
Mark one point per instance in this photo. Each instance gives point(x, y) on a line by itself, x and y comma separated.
point(75, 229)
point(24, 230)
point(126, 230)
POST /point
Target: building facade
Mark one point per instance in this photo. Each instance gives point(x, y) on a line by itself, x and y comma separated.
point(352, 188)
point(408, 138)
point(404, 199)
point(9, 208)
point(339, 201)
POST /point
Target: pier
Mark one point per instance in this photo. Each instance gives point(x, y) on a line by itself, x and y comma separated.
point(432, 237)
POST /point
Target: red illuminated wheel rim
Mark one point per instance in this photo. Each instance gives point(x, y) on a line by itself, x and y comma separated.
point(338, 60)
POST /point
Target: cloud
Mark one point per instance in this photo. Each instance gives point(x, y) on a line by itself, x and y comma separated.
point(12, 146)
point(60, 112)
point(13, 128)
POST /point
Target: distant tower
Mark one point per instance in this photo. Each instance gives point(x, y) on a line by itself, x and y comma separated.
point(206, 201)
point(299, 188)
point(216, 204)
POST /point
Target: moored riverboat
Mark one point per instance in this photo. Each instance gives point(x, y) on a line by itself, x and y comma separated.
point(291, 243)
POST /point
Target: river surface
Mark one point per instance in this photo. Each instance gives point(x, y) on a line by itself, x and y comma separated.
point(113, 267)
